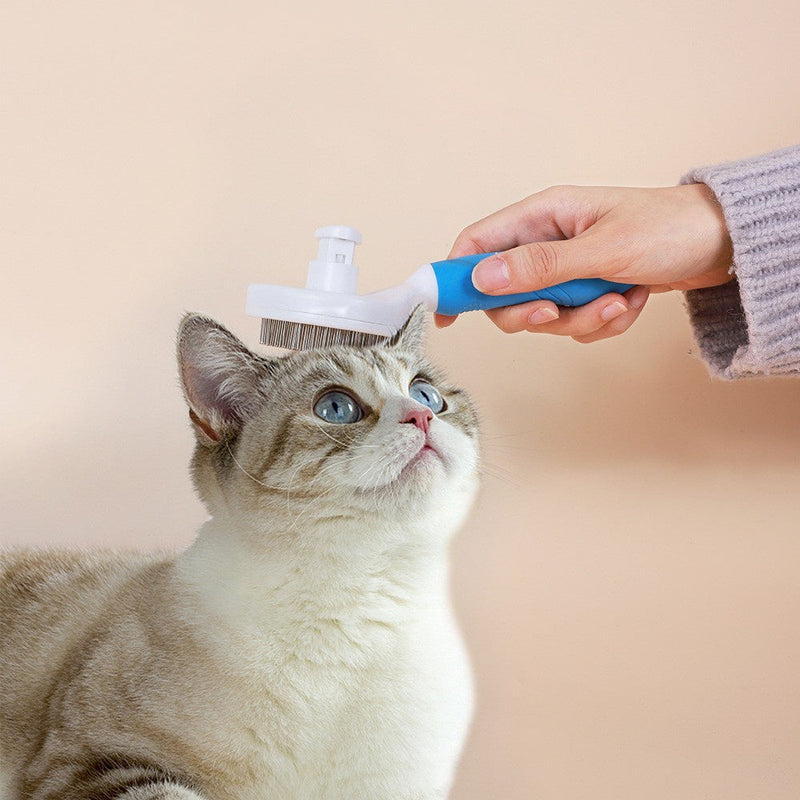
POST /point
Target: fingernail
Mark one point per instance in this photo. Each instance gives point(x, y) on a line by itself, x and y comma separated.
point(613, 310)
point(541, 315)
point(490, 275)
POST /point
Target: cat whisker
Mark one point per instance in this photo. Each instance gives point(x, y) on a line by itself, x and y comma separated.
point(249, 475)
point(507, 476)
point(492, 443)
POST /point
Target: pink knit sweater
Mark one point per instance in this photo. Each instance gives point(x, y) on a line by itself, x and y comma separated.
point(751, 326)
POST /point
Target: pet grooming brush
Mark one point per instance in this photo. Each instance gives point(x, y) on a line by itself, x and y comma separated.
point(329, 312)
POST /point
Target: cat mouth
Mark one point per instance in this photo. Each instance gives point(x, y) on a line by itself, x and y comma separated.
point(426, 453)
point(426, 448)
point(417, 469)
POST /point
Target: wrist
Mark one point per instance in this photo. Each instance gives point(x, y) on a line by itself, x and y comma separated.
point(715, 249)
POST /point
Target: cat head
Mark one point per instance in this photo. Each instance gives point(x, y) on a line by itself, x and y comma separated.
point(343, 432)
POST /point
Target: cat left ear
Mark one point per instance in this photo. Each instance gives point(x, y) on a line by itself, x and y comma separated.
point(412, 335)
point(222, 379)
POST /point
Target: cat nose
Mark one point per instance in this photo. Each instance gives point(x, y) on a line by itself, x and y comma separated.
point(420, 416)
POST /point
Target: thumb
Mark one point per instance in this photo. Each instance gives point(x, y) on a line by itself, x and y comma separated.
point(536, 266)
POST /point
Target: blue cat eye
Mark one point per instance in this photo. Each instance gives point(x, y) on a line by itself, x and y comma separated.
point(338, 408)
point(423, 392)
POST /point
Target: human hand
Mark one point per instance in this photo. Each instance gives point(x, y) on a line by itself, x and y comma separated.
point(659, 239)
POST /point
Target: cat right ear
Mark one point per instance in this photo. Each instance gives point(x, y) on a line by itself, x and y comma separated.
point(412, 333)
point(222, 380)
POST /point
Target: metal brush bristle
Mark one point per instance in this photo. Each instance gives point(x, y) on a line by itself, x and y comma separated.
point(303, 336)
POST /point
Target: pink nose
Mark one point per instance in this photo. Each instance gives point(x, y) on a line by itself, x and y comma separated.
point(421, 417)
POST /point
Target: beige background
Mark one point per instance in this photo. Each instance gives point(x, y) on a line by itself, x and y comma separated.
point(628, 583)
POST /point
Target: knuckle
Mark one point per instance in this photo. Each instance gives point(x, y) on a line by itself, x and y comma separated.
point(463, 241)
point(470, 240)
point(538, 265)
point(556, 191)
point(562, 189)
point(467, 235)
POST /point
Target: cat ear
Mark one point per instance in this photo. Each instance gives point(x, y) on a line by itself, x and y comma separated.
point(221, 378)
point(412, 335)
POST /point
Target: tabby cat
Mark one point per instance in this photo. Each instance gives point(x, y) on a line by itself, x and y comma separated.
point(303, 646)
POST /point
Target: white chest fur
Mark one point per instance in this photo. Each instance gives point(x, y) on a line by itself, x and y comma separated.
point(350, 677)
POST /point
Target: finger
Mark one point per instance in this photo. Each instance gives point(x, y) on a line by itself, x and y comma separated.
point(615, 327)
point(443, 320)
point(539, 265)
point(543, 216)
point(576, 322)
point(525, 316)
point(498, 231)
point(580, 321)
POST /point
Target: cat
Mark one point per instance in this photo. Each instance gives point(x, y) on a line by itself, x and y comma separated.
point(303, 646)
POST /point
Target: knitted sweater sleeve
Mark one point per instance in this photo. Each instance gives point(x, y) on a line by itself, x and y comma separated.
point(751, 326)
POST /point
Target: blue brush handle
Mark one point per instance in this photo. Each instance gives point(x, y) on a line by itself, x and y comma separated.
point(457, 294)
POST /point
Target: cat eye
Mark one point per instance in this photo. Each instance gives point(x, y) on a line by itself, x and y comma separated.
point(423, 392)
point(338, 408)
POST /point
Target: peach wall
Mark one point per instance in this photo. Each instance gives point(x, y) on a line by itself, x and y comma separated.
point(628, 583)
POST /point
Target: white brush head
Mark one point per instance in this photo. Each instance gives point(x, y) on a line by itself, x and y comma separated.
point(329, 302)
point(313, 307)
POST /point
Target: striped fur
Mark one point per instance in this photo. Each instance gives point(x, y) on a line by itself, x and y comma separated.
point(302, 647)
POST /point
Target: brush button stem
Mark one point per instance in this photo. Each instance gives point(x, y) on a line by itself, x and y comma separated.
point(333, 270)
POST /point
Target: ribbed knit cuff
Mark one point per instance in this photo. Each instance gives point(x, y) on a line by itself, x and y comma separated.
point(751, 326)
